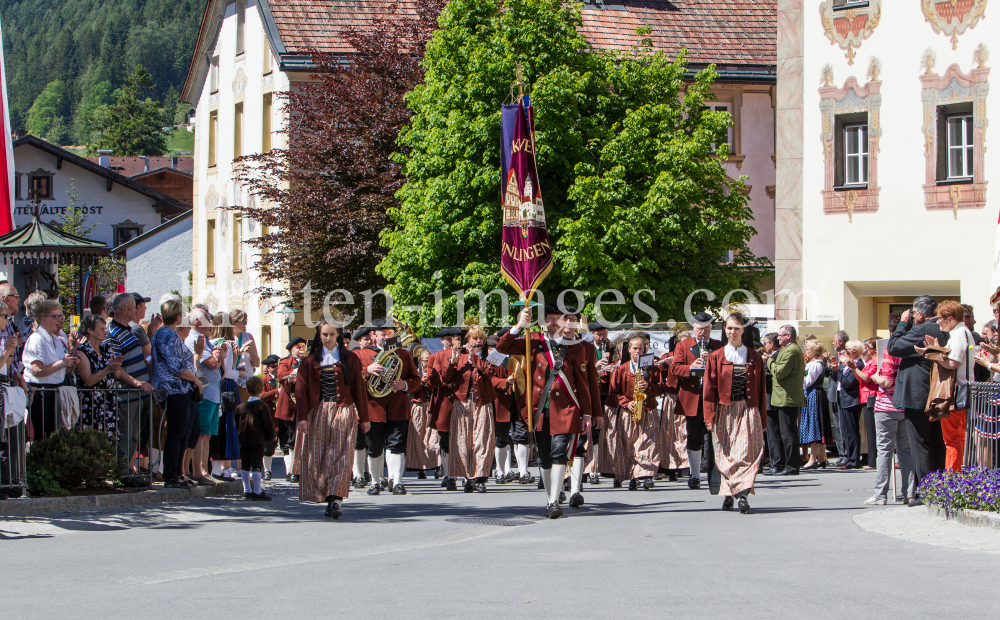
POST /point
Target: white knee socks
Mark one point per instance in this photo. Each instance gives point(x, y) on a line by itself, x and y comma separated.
point(444, 465)
point(546, 475)
point(576, 475)
point(521, 454)
point(556, 475)
point(288, 463)
point(267, 463)
point(359, 463)
point(247, 485)
point(375, 467)
point(694, 459)
point(397, 467)
point(502, 458)
point(216, 468)
point(255, 477)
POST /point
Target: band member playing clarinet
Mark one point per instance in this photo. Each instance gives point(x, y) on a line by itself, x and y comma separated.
point(688, 369)
point(561, 398)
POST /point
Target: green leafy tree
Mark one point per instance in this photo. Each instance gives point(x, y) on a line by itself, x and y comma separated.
point(133, 124)
point(47, 109)
point(634, 195)
point(97, 96)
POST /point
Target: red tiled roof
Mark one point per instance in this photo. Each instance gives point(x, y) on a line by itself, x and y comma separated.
point(732, 32)
point(132, 165)
point(739, 32)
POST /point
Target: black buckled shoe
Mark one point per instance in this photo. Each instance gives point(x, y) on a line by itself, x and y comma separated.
point(553, 511)
point(374, 490)
point(421, 475)
point(511, 477)
point(399, 490)
point(469, 486)
point(575, 500)
point(594, 479)
point(500, 479)
point(260, 497)
point(359, 483)
point(267, 475)
point(727, 504)
point(744, 506)
point(633, 485)
point(480, 487)
point(294, 478)
point(694, 484)
point(384, 484)
point(647, 484)
point(247, 495)
point(444, 483)
point(449, 484)
point(332, 510)
point(617, 484)
point(526, 479)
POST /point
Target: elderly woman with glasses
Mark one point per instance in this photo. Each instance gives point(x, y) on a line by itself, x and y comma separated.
point(46, 359)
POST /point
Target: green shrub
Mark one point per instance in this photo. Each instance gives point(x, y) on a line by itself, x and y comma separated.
point(41, 482)
point(76, 456)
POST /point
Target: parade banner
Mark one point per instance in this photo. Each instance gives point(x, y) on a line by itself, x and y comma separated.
point(526, 256)
point(6, 157)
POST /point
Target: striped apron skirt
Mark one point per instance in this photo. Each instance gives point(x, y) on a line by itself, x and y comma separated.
point(472, 439)
point(422, 450)
point(672, 439)
point(638, 452)
point(326, 453)
point(739, 447)
point(607, 448)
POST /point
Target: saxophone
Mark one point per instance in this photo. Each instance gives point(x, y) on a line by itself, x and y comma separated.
point(638, 397)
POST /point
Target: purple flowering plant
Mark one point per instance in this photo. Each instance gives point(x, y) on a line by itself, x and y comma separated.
point(973, 488)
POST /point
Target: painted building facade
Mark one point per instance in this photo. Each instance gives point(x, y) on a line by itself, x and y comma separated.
point(883, 173)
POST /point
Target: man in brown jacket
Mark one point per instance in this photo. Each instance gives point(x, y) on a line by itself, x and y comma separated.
point(687, 372)
point(284, 410)
point(562, 401)
point(389, 415)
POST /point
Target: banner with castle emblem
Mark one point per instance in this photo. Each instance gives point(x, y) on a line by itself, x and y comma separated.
point(526, 256)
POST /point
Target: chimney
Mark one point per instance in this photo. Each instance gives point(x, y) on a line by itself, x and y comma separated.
point(104, 158)
point(145, 159)
point(173, 162)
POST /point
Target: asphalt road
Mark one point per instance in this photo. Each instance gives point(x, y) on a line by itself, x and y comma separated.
point(668, 552)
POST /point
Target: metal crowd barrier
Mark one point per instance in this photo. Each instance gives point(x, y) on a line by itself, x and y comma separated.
point(982, 426)
point(129, 425)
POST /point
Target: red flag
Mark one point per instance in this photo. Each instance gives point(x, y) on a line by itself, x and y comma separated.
point(7, 157)
point(526, 256)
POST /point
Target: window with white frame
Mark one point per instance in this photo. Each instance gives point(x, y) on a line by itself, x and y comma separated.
point(856, 154)
point(960, 132)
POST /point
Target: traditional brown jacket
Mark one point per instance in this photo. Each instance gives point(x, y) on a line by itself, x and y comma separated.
point(395, 406)
point(719, 384)
point(308, 391)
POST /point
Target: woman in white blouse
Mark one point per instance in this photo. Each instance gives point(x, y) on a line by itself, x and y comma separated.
point(46, 359)
point(811, 420)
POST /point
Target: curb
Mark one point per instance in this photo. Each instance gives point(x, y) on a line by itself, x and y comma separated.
point(34, 505)
point(974, 518)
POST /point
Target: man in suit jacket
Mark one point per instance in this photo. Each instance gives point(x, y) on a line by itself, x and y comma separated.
point(833, 373)
point(788, 369)
point(849, 403)
point(687, 371)
point(913, 383)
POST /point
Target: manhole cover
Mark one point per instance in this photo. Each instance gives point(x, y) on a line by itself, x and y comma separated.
point(483, 521)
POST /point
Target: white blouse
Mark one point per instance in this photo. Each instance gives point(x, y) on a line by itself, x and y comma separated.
point(736, 355)
point(330, 356)
point(813, 370)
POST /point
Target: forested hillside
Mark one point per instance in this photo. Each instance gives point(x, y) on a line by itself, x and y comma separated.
point(65, 58)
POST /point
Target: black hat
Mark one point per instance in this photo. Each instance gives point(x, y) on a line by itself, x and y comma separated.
point(702, 317)
point(570, 310)
point(139, 299)
point(294, 342)
point(270, 360)
point(502, 332)
point(552, 310)
point(442, 333)
point(361, 332)
point(596, 325)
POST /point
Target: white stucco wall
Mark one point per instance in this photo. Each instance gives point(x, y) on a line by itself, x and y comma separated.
point(105, 208)
point(241, 79)
point(903, 248)
point(160, 264)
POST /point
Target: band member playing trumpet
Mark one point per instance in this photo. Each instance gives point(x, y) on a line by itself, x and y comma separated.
point(634, 390)
point(331, 404)
point(735, 412)
point(688, 369)
point(390, 414)
point(561, 395)
point(442, 396)
point(472, 438)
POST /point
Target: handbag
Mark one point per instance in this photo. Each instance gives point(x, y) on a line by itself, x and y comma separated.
point(941, 396)
point(196, 396)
